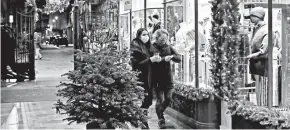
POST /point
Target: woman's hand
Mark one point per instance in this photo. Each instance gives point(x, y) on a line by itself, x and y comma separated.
point(253, 55)
point(155, 58)
point(168, 58)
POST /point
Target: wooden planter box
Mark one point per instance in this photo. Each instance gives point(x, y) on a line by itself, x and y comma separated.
point(239, 122)
point(196, 114)
point(92, 125)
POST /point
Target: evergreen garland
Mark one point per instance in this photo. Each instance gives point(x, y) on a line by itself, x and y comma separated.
point(224, 47)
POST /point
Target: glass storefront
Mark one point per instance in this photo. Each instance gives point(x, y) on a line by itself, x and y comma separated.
point(124, 30)
point(179, 19)
point(137, 16)
point(137, 22)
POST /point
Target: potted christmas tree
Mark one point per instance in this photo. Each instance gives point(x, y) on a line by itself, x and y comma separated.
point(103, 91)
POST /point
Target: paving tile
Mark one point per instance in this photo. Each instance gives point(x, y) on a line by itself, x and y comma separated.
point(171, 123)
point(41, 115)
point(6, 109)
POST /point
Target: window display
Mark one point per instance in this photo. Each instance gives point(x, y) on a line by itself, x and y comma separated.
point(283, 58)
point(174, 23)
point(124, 31)
point(174, 20)
point(137, 22)
point(150, 23)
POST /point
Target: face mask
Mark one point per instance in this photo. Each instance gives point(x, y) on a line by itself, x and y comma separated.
point(144, 39)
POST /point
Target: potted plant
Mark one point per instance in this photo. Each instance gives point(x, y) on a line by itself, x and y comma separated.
point(247, 115)
point(102, 91)
point(199, 105)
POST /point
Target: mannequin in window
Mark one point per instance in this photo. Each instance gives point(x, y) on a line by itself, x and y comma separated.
point(259, 52)
point(180, 37)
point(190, 46)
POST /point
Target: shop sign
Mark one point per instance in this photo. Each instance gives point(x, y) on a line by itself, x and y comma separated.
point(127, 5)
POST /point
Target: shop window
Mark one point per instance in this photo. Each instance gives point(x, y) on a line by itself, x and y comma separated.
point(150, 13)
point(279, 61)
point(137, 22)
point(138, 5)
point(281, 19)
point(124, 31)
point(154, 4)
point(174, 23)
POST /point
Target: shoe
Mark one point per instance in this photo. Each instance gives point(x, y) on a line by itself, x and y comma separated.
point(161, 124)
point(146, 125)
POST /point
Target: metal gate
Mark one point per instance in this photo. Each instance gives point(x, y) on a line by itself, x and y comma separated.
point(24, 51)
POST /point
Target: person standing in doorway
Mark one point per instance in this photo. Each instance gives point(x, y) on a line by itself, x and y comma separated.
point(37, 41)
point(162, 75)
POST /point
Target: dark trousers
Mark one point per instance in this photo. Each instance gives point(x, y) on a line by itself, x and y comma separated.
point(279, 84)
point(164, 97)
point(148, 100)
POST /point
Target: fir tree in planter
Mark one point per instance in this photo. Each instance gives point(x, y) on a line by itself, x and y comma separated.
point(103, 91)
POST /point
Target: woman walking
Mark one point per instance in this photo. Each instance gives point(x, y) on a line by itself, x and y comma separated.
point(141, 60)
point(162, 76)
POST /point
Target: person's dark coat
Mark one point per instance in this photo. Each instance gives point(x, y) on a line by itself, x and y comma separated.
point(156, 27)
point(140, 61)
point(162, 74)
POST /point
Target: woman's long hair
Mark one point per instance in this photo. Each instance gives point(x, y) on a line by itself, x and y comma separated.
point(138, 39)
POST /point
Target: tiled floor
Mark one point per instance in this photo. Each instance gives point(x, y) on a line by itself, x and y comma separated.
point(5, 111)
point(41, 115)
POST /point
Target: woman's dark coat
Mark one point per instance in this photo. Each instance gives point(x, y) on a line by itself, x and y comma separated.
point(162, 74)
point(140, 61)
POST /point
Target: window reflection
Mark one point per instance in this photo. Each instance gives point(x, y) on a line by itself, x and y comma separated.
point(175, 26)
point(124, 31)
point(137, 22)
point(150, 23)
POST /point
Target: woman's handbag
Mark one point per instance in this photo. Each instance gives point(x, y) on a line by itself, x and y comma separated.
point(259, 67)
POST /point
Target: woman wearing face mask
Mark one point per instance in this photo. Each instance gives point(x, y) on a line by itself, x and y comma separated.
point(141, 60)
point(162, 76)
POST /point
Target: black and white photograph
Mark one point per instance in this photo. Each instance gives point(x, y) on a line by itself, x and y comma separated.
point(145, 64)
